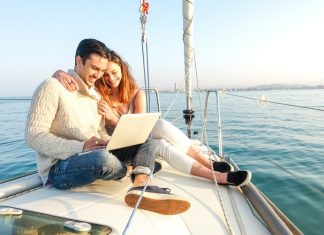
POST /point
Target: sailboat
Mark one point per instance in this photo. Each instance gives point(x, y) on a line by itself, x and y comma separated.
point(26, 207)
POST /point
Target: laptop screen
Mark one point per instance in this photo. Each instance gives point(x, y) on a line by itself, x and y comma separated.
point(132, 129)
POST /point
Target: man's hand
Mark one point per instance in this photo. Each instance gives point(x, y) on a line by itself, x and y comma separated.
point(94, 143)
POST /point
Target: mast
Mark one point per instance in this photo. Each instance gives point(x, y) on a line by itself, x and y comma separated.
point(188, 15)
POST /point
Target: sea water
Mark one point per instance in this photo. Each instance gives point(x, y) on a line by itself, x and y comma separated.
point(282, 145)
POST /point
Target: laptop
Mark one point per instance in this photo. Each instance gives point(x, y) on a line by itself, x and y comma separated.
point(132, 129)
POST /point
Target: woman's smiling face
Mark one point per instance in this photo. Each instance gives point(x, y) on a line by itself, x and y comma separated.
point(113, 74)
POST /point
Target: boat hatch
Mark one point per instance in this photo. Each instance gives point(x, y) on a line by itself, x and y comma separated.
point(29, 222)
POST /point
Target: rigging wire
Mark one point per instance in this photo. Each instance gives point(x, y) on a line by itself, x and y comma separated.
point(271, 160)
point(144, 7)
point(137, 204)
point(176, 119)
point(198, 88)
point(311, 188)
point(181, 85)
point(279, 103)
point(275, 164)
point(173, 100)
point(210, 153)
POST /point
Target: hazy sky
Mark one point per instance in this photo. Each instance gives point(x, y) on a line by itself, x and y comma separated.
point(237, 43)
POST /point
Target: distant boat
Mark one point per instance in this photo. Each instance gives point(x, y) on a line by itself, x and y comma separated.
point(26, 207)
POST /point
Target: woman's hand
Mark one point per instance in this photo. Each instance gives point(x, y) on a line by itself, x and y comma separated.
point(66, 80)
point(105, 110)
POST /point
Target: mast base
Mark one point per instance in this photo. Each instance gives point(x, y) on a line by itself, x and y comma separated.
point(188, 115)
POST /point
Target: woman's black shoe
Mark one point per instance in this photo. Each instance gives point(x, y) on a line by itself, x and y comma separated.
point(238, 178)
point(222, 167)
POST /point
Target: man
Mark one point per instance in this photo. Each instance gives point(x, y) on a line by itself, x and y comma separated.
point(69, 136)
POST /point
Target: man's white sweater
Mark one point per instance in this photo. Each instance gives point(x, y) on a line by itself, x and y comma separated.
point(60, 121)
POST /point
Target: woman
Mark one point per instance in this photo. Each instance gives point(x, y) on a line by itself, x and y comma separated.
point(121, 95)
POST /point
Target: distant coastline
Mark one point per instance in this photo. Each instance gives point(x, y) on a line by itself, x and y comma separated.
point(262, 88)
point(254, 88)
point(14, 98)
point(278, 87)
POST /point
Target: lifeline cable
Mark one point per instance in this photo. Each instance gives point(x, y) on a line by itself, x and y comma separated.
point(272, 102)
point(137, 204)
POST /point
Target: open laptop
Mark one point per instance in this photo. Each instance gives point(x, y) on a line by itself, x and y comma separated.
point(132, 129)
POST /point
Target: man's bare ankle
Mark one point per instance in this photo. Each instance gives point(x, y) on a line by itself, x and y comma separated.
point(140, 180)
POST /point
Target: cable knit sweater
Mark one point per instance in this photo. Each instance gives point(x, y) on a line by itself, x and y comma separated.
point(60, 121)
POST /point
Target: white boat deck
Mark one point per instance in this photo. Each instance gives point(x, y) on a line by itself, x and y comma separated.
point(103, 203)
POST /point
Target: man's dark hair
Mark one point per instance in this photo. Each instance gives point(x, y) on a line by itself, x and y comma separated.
point(91, 46)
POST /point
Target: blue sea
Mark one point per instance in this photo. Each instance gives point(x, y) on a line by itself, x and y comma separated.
point(282, 145)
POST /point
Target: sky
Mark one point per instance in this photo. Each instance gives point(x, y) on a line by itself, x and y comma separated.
point(237, 43)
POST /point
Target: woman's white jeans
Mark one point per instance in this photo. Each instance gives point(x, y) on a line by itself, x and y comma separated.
point(172, 145)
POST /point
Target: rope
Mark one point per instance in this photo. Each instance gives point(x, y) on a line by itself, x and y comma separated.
point(210, 152)
point(230, 230)
point(215, 181)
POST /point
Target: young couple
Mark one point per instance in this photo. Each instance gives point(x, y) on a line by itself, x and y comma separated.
point(62, 123)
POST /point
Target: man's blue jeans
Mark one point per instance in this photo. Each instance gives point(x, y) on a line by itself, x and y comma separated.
point(83, 169)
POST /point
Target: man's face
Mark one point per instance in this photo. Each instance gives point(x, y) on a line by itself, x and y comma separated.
point(92, 69)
